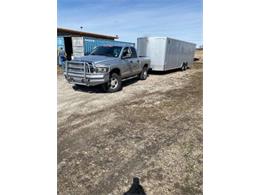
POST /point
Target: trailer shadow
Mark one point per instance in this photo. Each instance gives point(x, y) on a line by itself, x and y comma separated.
point(152, 72)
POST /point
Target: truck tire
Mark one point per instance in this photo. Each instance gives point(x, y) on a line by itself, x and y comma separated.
point(114, 84)
point(144, 74)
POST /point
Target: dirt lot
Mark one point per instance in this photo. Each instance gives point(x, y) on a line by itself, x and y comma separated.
point(151, 129)
point(199, 55)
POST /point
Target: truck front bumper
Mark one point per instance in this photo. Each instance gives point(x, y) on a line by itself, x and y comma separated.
point(89, 80)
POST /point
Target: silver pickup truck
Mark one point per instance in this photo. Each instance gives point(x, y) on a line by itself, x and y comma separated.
point(107, 66)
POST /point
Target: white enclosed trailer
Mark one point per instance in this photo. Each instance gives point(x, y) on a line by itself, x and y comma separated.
point(166, 53)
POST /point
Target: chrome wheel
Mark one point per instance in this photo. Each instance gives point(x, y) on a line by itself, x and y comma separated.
point(145, 73)
point(113, 83)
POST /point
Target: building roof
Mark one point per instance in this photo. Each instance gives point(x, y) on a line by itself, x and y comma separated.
point(69, 32)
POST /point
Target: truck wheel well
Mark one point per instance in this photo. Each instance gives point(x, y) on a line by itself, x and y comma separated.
point(116, 70)
point(146, 65)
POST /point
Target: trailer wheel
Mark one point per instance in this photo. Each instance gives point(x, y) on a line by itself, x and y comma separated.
point(184, 66)
point(144, 74)
point(114, 84)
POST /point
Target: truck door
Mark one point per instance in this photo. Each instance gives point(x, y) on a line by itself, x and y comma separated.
point(131, 61)
point(127, 69)
point(134, 61)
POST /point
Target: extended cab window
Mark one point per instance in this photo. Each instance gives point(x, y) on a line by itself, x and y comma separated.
point(127, 53)
point(134, 55)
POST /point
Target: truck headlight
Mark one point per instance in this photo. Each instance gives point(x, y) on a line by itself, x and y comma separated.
point(101, 69)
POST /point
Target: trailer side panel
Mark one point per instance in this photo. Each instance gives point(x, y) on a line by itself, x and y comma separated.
point(177, 53)
point(166, 53)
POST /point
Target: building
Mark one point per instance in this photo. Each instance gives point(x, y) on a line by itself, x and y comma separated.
point(79, 43)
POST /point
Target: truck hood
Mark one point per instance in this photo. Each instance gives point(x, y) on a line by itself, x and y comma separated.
point(96, 59)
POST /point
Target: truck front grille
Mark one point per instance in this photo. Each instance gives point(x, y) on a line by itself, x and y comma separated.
point(77, 68)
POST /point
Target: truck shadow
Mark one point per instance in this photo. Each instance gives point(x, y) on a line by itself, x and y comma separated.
point(98, 89)
point(85, 89)
point(130, 81)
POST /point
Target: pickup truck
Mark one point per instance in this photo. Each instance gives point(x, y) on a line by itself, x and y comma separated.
point(107, 66)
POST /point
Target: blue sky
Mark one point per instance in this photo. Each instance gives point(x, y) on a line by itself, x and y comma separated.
point(129, 19)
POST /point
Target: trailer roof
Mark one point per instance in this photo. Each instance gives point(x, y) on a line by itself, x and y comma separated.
point(70, 32)
point(169, 38)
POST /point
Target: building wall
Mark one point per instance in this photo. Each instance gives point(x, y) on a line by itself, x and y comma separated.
point(91, 43)
point(60, 42)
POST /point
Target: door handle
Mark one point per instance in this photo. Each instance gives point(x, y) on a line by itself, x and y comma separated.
point(131, 61)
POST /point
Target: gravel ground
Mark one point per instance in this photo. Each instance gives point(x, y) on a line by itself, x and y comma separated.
point(151, 129)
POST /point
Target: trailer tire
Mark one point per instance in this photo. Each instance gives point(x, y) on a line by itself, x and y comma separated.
point(144, 74)
point(184, 66)
point(114, 84)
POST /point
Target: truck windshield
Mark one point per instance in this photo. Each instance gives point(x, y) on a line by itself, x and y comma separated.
point(109, 51)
